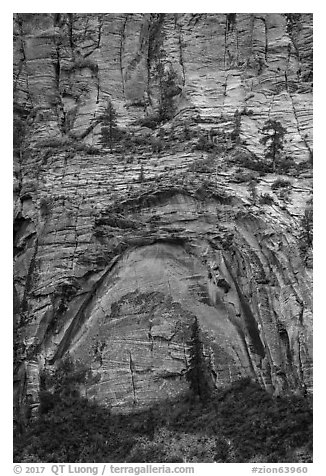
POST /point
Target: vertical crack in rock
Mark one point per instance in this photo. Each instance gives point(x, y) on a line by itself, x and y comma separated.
point(302, 136)
point(150, 335)
point(132, 369)
point(178, 26)
point(71, 30)
point(121, 51)
point(251, 44)
point(266, 39)
point(301, 370)
point(100, 26)
point(60, 109)
point(225, 41)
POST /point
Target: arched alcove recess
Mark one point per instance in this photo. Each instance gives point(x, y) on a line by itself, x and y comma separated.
point(137, 331)
point(175, 257)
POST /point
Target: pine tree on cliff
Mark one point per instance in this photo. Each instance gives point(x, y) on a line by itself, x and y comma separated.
point(306, 232)
point(109, 130)
point(198, 372)
point(273, 138)
point(168, 89)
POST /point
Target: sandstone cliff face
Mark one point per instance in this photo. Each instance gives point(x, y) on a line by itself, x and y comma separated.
point(117, 252)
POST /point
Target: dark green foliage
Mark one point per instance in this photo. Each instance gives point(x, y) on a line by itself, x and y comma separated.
point(307, 76)
point(45, 206)
point(284, 194)
point(230, 21)
point(155, 37)
point(56, 143)
point(273, 139)
point(222, 283)
point(68, 145)
point(287, 165)
point(18, 133)
point(251, 162)
point(306, 232)
point(238, 424)
point(138, 102)
point(47, 400)
point(235, 134)
point(60, 298)
point(168, 89)
point(241, 176)
point(186, 132)
point(149, 121)
point(280, 183)
point(81, 63)
point(131, 142)
point(66, 379)
point(292, 21)
point(157, 144)
point(88, 149)
point(266, 199)
point(202, 165)
point(247, 112)
point(109, 131)
point(205, 143)
point(20, 116)
point(252, 187)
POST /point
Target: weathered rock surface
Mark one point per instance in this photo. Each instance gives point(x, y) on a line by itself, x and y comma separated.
point(117, 253)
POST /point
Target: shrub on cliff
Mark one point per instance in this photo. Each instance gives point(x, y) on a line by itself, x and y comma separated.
point(287, 165)
point(306, 232)
point(204, 143)
point(151, 121)
point(280, 183)
point(266, 199)
point(204, 165)
point(250, 161)
point(81, 63)
point(292, 21)
point(156, 144)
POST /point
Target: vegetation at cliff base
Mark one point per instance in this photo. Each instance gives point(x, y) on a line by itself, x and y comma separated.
point(241, 423)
